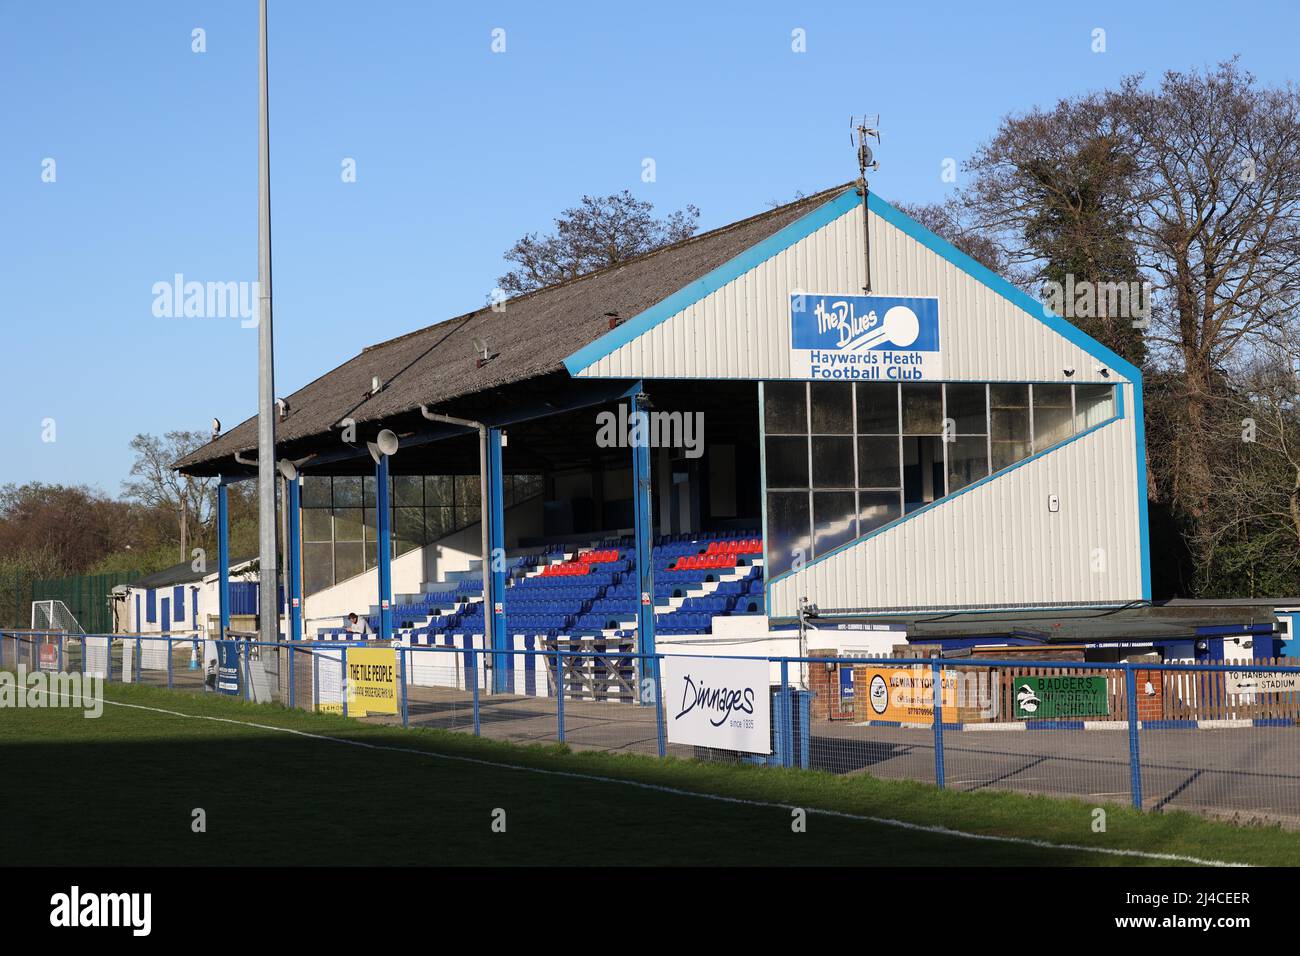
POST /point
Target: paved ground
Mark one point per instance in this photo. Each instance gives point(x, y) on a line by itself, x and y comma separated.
point(1249, 773)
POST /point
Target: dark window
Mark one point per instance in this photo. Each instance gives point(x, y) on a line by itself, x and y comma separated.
point(922, 471)
point(832, 408)
point(787, 462)
point(788, 523)
point(877, 408)
point(832, 462)
point(834, 519)
point(785, 408)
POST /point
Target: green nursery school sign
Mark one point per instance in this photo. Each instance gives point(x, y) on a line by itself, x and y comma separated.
point(1065, 696)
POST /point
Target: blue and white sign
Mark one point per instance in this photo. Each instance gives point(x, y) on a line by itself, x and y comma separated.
point(864, 337)
point(718, 702)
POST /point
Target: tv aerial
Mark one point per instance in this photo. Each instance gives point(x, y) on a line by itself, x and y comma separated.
point(864, 129)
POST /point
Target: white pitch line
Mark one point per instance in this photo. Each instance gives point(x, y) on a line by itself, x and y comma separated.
point(720, 798)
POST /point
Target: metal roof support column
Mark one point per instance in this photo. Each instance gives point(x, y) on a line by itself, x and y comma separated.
point(644, 528)
point(295, 559)
point(494, 489)
point(385, 548)
point(223, 558)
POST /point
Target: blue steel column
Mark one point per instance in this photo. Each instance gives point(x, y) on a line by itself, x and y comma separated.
point(223, 558)
point(295, 560)
point(645, 575)
point(502, 665)
point(385, 546)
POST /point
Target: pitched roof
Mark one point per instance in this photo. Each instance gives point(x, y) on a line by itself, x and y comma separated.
point(532, 336)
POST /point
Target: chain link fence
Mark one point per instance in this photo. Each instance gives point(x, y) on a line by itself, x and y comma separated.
point(1221, 739)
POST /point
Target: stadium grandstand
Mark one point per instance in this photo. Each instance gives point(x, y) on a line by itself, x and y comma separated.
point(823, 415)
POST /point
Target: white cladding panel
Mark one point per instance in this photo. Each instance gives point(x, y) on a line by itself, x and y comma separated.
point(998, 543)
point(742, 330)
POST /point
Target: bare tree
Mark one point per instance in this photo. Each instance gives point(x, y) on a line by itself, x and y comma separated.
point(948, 220)
point(154, 483)
point(1215, 208)
point(600, 231)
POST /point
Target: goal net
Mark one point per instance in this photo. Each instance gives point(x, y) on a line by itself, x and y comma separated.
point(54, 616)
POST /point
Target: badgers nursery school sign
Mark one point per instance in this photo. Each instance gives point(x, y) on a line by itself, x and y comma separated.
point(1061, 696)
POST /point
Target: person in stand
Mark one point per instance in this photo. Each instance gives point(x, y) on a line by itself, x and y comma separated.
point(358, 626)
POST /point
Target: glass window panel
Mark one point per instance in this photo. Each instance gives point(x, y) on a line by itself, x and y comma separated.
point(835, 519)
point(922, 409)
point(316, 524)
point(467, 515)
point(785, 408)
point(1053, 415)
point(832, 408)
point(966, 407)
point(437, 522)
point(317, 567)
point(788, 529)
point(878, 462)
point(968, 461)
point(1007, 453)
point(408, 490)
point(922, 471)
point(832, 462)
point(368, 490)
point(315, 491)
point(408, 528)
point(877, 508)
point(877, 408)
point(348, 561)
point(1093, 404)
point(347, 492)
point(787, 462)
point(347, 524)
point(1009, 412)
point(467, 491)
point(438, 490)
point(372, 525)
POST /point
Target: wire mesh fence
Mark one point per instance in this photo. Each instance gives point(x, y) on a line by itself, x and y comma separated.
point(1214, 738)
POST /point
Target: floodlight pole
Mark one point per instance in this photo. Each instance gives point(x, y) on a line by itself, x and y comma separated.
point(269, 605)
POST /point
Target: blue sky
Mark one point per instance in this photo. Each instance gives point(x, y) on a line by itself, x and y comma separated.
point(458, 151)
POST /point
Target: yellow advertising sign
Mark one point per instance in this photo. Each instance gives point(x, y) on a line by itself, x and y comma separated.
point(372, 681)
point(901, 693)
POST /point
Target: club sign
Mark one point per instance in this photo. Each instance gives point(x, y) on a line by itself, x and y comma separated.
point(864, 337)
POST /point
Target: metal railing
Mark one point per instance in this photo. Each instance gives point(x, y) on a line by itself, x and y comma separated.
point(1219, 738)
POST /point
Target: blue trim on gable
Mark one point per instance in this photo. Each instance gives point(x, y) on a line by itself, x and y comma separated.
point(934, 504)
point(729, 271)
point(982, 273)
point(1144, 536)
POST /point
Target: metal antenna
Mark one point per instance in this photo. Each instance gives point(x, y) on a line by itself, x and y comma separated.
point(865, 128)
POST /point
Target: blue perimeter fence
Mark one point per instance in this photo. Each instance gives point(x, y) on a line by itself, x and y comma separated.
point(1218, 739)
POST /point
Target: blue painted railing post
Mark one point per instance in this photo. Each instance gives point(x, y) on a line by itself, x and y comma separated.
point(385, 546)
point(559, 695)
point(401, 674)
point(139, 670)
point(502, 666)
point(936, 679)
point(295, 560)
point(223, 559)
point(785, 738)
point(643, 521)
point(60, 640)
point(1134, 749)
point(659, 708)
point(169, 663)
point(83, 655)
point(246, 668)
point(475, 697)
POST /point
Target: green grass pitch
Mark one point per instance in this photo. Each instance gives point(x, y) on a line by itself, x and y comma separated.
point(122, 789)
